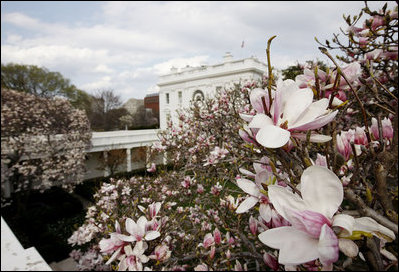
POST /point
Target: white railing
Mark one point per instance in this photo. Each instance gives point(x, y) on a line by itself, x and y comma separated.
point(14, 257)
point(122, 139)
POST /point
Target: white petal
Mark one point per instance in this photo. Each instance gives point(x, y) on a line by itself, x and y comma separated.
point(131, 226)
point(151, 235)
point(321, 190)
point(296, 104)
point(272, 136)
point(126, 238)
point(246, 117)
point(113, 257)
point(265, 212)
point(246, 172)
point(316, 123)
point(345, 222)
point(247, 204)
point(368, 224)
point(260, 120)
point(248, 186)
point(141, 224)
point(296, 247)
point(348, 247)
point(285, 201)
point(312, 112)
point(314, 138)
point(122, 264)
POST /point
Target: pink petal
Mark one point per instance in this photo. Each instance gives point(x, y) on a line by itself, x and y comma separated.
point(248, 137)
point(309, 222)
point(321, 190)
point(248, 186)
point(296, 247)
point(272, 136)
point(247, 204)
point(328, 246)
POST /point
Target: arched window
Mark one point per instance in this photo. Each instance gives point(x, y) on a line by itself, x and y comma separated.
point(198, 96)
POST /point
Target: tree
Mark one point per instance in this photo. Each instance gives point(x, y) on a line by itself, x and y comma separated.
point(43, 142)
point(41, 82)
point(105, 111)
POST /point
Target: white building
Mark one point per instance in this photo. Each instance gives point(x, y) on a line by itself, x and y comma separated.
point(178, 88)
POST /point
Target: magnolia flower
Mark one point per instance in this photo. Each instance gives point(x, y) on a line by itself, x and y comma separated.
point(113, 244)
point(202, 267)
point(292, 111)
point(138, 231)
point(152, 168)
point(387, 130)
point(311, 235)
point(161, 253)
point(133, 260)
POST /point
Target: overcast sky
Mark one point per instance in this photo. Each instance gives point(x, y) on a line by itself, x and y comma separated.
point(125, 46)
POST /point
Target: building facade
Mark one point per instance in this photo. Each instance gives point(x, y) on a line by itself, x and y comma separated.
point(179, 88)
point(151, 101)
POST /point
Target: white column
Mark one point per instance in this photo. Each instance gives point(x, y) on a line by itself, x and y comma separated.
point(106, 170)
point(147, 154)
point(128, 160)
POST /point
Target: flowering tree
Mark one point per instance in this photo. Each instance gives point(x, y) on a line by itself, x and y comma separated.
point(42, 141)
point(295, 174)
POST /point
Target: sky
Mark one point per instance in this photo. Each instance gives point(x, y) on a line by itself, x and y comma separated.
point(125, 46)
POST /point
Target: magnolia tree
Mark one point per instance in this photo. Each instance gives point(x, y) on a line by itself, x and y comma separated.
point(283, 175)
point(42, 141)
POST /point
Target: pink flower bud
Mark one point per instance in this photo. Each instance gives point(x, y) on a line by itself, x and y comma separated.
point(270, 261)
point(360, 136)
point(217, 236)
point(212, 252)
point(253, 225)
point(208, 240)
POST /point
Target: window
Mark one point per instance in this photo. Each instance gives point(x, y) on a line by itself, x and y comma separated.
point(167, 98)
point(198, 98)
point(180, 97)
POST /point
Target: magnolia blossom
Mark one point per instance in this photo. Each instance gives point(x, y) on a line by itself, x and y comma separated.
point(152, 168)
point(112, 245)
point(291, 112)
point(138, 232)
point(313, 219)
point(387, 129)
point(133, 260)
point(161, 253)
